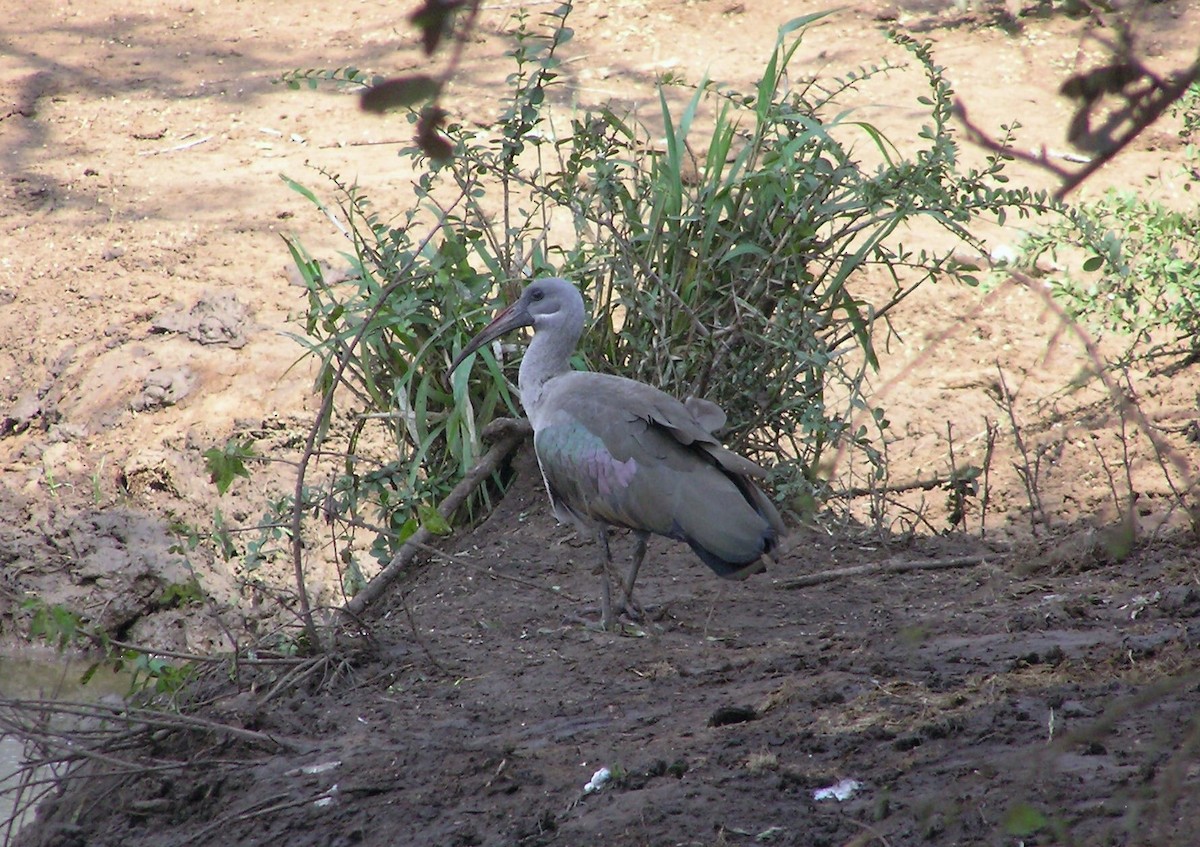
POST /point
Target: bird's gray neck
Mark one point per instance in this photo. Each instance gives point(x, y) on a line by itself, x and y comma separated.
point(547, 356)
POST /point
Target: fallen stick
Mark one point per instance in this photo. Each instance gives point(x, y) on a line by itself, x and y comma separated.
point(882, 568)
point(184, 146)
point(508, 433)
point(339, 144)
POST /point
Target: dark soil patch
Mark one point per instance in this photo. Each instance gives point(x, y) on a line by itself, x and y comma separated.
point(974, 706)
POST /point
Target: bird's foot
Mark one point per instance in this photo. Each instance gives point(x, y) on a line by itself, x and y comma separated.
point(632, 610)
point(595, 623)
point(635, 611)
point(647, 614)
point(624, 620)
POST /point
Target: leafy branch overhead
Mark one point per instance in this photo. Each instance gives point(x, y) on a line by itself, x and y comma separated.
point(436, 21)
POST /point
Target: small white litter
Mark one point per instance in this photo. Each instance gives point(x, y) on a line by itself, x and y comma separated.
point(599, 779)
point(1003, 254)
point(841, 790)
point(328, 798)
point(310, 770)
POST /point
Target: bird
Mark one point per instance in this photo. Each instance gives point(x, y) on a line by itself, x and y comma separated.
point(615, 452)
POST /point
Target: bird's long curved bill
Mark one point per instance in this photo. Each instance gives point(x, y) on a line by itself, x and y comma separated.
point(511, 318)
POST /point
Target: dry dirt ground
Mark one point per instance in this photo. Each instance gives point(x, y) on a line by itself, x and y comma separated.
point(1038, 691)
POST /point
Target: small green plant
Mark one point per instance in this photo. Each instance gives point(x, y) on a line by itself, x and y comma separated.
point(97, 479)
point(227, 463)
point(185, 593)
point(65, 628)
point(1129, 266)
point(55, 624)
point(52, 484)
point(189, 538)
point(153, 674)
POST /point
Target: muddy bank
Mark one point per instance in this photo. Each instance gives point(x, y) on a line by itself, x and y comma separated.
point(1005, 701)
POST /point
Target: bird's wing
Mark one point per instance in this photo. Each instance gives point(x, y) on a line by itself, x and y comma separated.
point(692, 430)
point(627, 454)
point(690, 423)
point(707, 413)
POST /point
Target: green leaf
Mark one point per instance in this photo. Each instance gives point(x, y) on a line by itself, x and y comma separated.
point(227, 463)
point(1024, 820)
point(181, 594)
point(1093, 264)
point(300, 189)
point(406, 531)
point(432, 519)
point(353, 580)
point(802, 21)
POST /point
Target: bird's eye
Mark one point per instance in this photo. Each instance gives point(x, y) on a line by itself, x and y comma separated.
point(536, 294)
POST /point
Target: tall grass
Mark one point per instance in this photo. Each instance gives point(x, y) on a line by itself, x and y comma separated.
point(731, 263)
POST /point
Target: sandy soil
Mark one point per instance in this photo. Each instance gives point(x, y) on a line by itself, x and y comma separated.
point(1038, 691)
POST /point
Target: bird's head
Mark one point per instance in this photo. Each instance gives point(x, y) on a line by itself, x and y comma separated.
point(550, 305)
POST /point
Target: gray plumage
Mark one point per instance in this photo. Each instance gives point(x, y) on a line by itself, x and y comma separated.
point(616, 452)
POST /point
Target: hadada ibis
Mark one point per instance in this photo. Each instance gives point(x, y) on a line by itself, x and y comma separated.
point(616, 452)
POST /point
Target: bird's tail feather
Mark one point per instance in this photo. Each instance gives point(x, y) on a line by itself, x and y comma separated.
point(730, 527)
point(723, 568)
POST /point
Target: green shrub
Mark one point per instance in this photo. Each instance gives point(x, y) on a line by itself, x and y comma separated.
point(1130, 266)
point(747, 272)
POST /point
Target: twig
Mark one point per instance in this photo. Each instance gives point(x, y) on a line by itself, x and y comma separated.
point(255, 811)
point(992, 429)
point(293, 677)
point(199, 659)
point(186, 145)
point(340, 144)
point(143, 719)
point(898, 488)
point(1148, 109)
point(918, 513)
point(976, 135)
point(884, 568)
point(416, 633)
point(1027, 471)
point(511, 433)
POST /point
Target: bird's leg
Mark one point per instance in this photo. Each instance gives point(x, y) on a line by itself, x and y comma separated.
point(639, 553)
point(606, 615)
